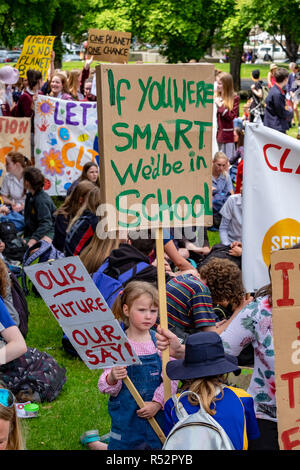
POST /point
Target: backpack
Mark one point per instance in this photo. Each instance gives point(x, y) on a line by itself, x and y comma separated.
point(33, 376)
point(20, 303)
point(80, 232)
point(15, 246)
point(44, 252)
point(197, 431)
point(110, 287)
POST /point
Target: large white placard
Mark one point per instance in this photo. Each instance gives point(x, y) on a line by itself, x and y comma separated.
point(271, 210)
point(80, 309)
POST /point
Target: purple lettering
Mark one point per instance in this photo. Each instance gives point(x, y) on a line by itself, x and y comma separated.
point(69, 114)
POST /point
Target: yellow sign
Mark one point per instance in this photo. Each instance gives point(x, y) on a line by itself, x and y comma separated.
point(35, 55)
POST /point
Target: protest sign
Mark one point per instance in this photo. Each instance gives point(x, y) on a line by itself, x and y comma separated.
point(14, 136)
point(35, 55)
point(271, 217)
point(81, 311)
point(65, 138)
point(155, 128)
point(285, 273)
point(109, 46)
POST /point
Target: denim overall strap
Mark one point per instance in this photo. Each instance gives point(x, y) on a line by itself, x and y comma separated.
point(128, 431)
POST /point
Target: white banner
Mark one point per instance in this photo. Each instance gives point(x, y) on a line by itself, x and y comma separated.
point(271, 210)
point(65, 138)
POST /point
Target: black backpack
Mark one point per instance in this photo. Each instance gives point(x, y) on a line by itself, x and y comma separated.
point(34, 376)
point(20, 303)
point(15, 246)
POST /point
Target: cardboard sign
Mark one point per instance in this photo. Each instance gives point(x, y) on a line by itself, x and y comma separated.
point(36, 55)
point(109, 46)
point(271, 216)
point(65, 138)
point(81, 311)
point(285, 273)
point(14, 136)
point(155, 130)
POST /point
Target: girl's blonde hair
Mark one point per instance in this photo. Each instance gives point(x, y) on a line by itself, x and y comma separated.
point(15, 438)
point(221, 156)
point(97, 251)
point(207, 388)
point(227, 90)
point(131, 292)
point(92, 201)
point(74, 82)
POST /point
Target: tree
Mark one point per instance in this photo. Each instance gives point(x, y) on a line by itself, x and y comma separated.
point(281, 19)
point(234, 33)
point(21, 18)
point(184, 29)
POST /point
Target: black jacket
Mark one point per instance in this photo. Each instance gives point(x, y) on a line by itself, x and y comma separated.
point(39, 215)
point(126, 257)
point(276, 116)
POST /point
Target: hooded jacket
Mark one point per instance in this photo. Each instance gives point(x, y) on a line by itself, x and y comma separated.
point(127, 256)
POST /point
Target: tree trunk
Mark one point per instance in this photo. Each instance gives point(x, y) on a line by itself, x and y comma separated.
point(291, 48)
point(57, 28)
point(235, 60)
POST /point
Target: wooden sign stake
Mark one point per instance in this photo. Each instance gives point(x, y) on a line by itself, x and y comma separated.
point(162, 305)
point(141, 403)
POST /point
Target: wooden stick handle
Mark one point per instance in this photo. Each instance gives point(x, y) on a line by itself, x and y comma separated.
point(163, 306)
point(140, 402)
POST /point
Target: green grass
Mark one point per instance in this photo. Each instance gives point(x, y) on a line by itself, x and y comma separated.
point(79, 406)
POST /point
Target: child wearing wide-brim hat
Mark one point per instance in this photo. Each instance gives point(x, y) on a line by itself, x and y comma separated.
point(203, 371)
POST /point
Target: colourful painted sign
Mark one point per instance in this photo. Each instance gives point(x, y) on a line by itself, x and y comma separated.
point(35, 55)
point(65, 138)
point(14, 136)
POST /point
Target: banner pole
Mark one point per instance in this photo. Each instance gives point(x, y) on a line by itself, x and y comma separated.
point(141, 403)
point(163, 306)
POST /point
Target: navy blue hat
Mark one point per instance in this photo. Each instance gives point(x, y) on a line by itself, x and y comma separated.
point(255, 73)
point(204, 357)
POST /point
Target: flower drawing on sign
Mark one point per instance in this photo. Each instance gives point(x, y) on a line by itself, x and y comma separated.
point(52, 162)
point(45, 108)
point(17, 143)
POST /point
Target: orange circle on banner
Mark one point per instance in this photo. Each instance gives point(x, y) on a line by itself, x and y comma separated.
point(284, 234)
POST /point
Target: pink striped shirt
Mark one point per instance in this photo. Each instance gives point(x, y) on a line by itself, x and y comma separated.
point(141, 349)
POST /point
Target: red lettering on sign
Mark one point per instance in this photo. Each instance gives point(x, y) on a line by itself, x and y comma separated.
point(108, 330)
point(298, 326)
point(285, 266)
point(265, 148)
point(285, 437)
point(282, 161)
point(290, 377)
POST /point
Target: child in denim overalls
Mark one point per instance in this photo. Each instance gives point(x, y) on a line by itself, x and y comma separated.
point(137, 307)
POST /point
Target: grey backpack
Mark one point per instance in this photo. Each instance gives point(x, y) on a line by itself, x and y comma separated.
point(197, 431)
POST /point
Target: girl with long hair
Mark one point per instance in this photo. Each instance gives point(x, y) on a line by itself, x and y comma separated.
point(68, 210)
point(227, 110)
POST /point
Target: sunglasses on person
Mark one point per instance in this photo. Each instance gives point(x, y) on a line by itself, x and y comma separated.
point(6, 398)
